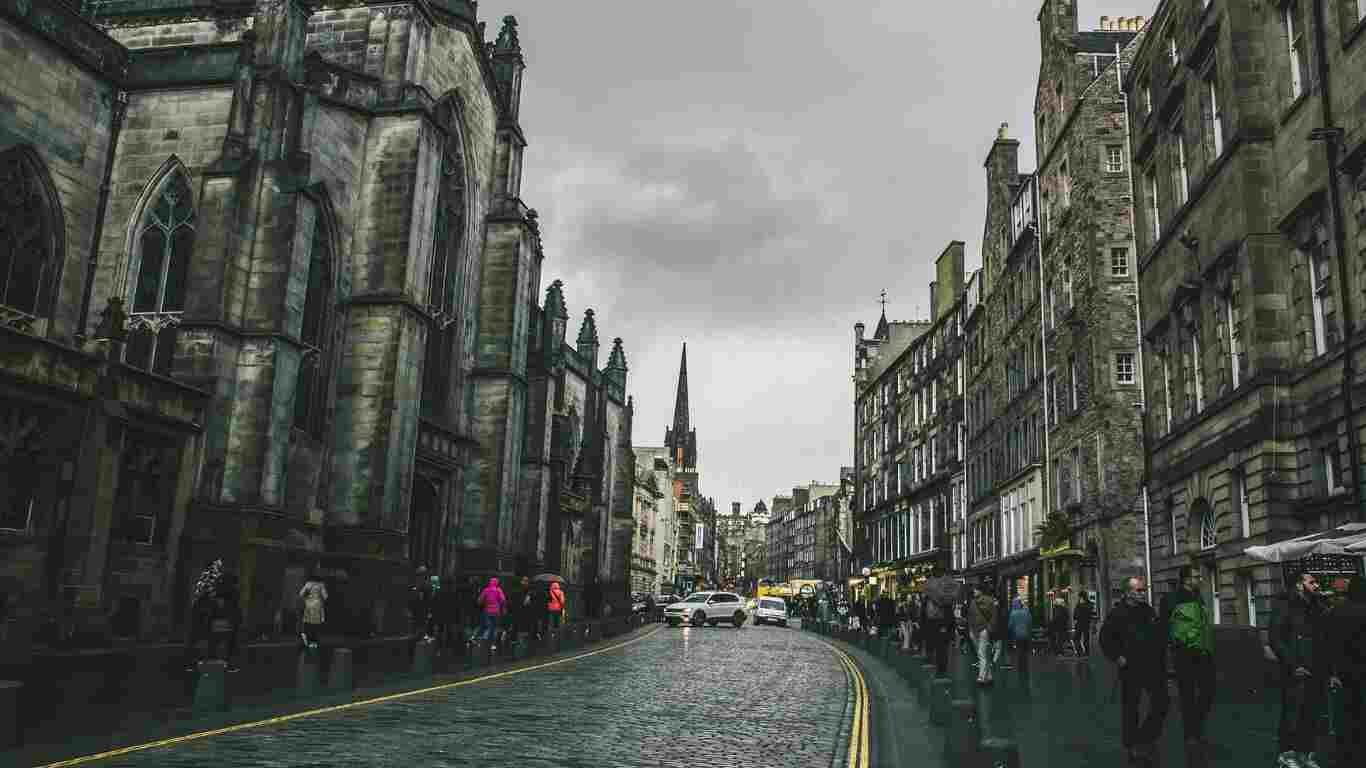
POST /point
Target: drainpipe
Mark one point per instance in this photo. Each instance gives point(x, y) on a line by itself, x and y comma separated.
point(1043, 344)
point(116, 125)
point(1142, 403)
point(1331, 135)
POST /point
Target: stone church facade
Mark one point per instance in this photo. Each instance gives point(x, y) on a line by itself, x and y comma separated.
point(268, 292)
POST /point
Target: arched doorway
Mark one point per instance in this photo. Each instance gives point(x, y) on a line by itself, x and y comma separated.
point(424, 541)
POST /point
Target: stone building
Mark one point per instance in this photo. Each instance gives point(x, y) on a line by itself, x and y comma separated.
point(909, 429)
point(1249, 159)
point(656, 461)
point(645, 502)
point(275, 301)
point(1091, 383)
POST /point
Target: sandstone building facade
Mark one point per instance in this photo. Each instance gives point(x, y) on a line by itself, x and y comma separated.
point(276, 300)
point(1248, 140)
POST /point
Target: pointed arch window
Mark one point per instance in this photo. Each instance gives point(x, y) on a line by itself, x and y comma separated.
point(310, 403)
point(163, 247)
point(445, 287)
point(30, 239)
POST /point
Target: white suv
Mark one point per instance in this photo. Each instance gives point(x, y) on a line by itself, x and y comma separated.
point(772, 609)
point(709, 608)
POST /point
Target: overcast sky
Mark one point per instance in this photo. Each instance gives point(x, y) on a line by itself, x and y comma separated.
point(747, 175)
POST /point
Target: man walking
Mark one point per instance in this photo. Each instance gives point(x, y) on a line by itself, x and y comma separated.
point(940, 592)
point(1347, 635)
point(982, 624)
point(1191, 636)
point(1083, 617)
point(1294, 629)
point(1132, 638)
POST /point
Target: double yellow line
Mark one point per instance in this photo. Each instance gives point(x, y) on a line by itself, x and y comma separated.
point(858, 732)
point(338, 708)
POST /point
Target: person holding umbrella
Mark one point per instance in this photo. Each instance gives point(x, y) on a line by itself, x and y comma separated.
point(555, 605)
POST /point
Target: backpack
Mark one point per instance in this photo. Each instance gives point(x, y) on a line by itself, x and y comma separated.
point(1189, 628)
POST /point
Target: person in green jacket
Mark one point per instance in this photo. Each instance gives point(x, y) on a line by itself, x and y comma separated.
point(1186, 623)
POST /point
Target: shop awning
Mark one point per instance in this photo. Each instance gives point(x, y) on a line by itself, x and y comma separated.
point(1061, 552)
point(1349, 539)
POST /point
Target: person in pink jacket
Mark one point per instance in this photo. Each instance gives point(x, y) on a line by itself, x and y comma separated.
point(493, 602)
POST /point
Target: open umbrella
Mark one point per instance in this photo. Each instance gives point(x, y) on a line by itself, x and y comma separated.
point(547, 577)
point(1343, 540)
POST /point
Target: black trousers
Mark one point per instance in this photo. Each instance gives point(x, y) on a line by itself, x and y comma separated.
point(1022, 653)
point(1302, 703)
point(1134, 684)
point(1084, 639)
point(937, 646)
point(1351, 740)
point(1195, 681)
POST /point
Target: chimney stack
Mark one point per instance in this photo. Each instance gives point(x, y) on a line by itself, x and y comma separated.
point(1138, 22)
point(1004, 131)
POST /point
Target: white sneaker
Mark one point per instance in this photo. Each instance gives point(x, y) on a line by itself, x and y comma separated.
point(1310, 761)
point(1289, 760)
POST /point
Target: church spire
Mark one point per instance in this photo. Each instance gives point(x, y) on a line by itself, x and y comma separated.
point(681, 439)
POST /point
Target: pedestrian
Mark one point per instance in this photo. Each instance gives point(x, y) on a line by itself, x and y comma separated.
point(518, 597)
point(886, 615)
point(314, 595)
point(1191, 636)
point(1020, 626)
point(420, 604)
point(493, 603)
point(649, 607)
point(227, 620)
point(1347, 670)
point(1132, 638)
point(201, 611)
point(592, 598)
point(1296, 629)
point(940, 594)
point(982, 624)
point(555, 605)
point(1060, 625)
point(1083, 617)
point(446, 615)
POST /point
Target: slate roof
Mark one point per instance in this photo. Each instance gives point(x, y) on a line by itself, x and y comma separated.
point(1101, 41)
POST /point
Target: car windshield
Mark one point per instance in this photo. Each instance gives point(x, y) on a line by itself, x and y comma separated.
point(776, 605)
point(698, 597)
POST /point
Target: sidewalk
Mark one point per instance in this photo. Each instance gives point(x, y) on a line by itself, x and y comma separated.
point(91, 730)
point(1065, 713)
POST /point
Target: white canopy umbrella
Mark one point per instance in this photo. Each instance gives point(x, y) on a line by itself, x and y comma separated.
point(1349, 539)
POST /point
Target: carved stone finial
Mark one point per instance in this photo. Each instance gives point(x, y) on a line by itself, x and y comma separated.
point(113, 321)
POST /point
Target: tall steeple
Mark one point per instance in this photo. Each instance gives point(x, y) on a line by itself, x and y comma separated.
point(681, 439)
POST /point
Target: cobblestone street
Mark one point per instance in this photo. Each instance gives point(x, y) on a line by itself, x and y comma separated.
point(760, 696)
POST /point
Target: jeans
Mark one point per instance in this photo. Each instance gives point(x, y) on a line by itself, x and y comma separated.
point(985, 655)
point(1195, 681)
point(554, 618)
point(937, 646)
point(1084, 639)
point(1022, 654)
point(1301, 705)
point(488, 627)
point(1133, 684)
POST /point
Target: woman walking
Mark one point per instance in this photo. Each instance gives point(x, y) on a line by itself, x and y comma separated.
point(314, 595)
point(492, 602)
point(555, 604)
point(1020, 627)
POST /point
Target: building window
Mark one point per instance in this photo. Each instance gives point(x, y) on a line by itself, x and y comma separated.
point(1052, 394)
point(30, 233)
point(1207, 530)
point(1321, 290)
point(1065, 182)
point(1167, 393)
point(1237, 493)
point(1076, 473)
point(1232, 338)
point(1119, 262)
point(1180, 175)
point(1100, 461)
point(1212, 579)
point(1125, 368)
point(1154, 213)
point(1145, 97)
point(1297, 49)
point(1173, 52)
point(1114, 159)
point(1197, 374)
point(1328, 462)
point(310, 384)
point(1073, 399)
point(1360, 15)
point(158, 280)
point(1250, 592)
point(1171, 513)
point(1213, 117)
point(145, 482)
point(1067, 284)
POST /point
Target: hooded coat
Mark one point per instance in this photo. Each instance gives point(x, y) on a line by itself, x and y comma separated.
point(492, 599)
point(555, 602)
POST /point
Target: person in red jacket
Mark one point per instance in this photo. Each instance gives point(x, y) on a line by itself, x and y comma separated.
point(555, 605)
point(492, 603)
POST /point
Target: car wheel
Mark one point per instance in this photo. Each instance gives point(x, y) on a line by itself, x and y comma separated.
point(699, 618)
point(673, 623)
point(758, 621)
point(782, 623)
point(738, 619)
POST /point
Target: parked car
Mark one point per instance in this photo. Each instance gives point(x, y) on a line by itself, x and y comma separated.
point(771, 609)
point(709, 608)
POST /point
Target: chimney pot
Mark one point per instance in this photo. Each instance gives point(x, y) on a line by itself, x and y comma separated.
point(1104, 22)
point(1138, 22)
point(1003, 131)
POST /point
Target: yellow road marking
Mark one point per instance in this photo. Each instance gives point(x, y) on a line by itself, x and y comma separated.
point(337, 708)
point(858, 731)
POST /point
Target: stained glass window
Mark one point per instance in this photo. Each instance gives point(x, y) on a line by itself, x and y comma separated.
point(164, 248)
point(28, 232)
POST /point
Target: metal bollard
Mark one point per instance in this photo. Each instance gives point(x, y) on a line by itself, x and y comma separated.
point(965, 730)
point(941, 697)
point(306, 672)
point(10, 693)
point(520, 649)
point(999, 753)
point(210, 688)
point(342, 675)
point(422, 657)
